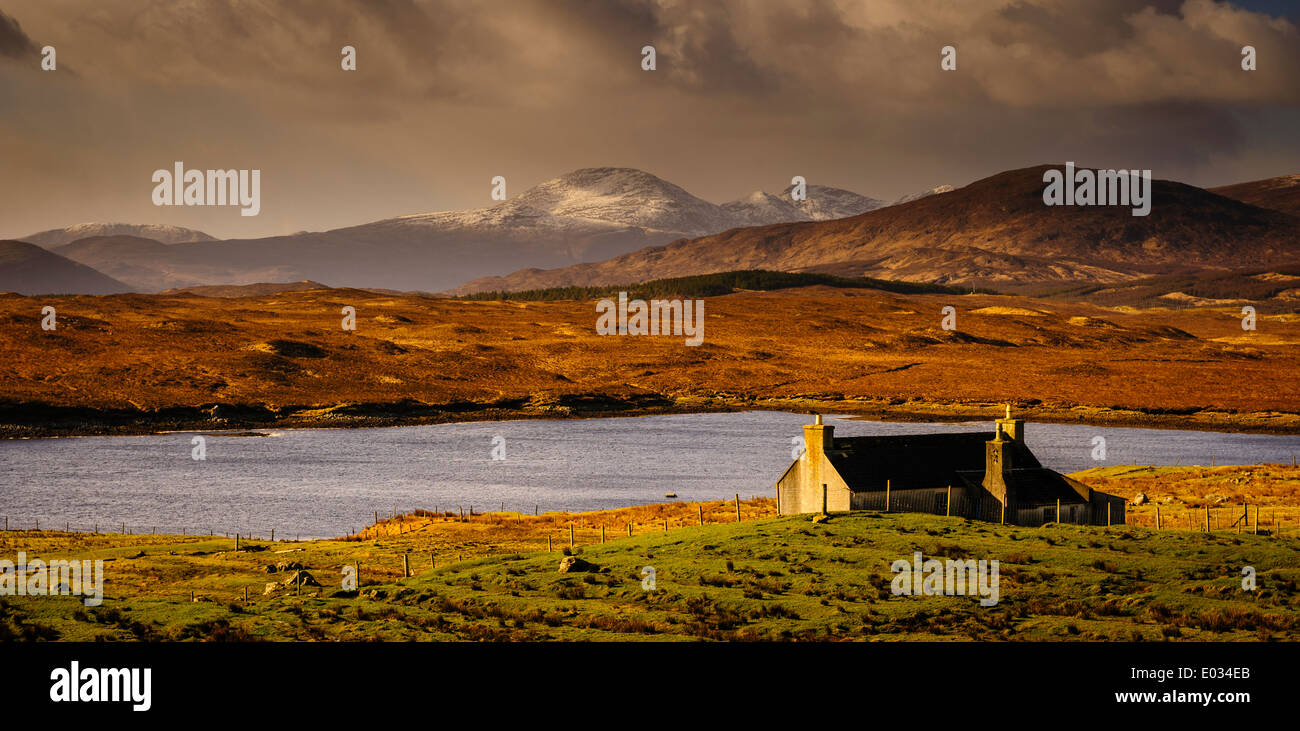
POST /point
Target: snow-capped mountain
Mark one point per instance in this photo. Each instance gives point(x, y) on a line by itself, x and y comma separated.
point(625, 196)
point(586, 215)
point(761, 208)
point(923, 194)
point(158, 232)
point(822, 203)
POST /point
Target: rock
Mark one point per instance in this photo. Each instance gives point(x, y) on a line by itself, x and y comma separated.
point(821, 518)
point(302, 577)
point(288, 566)
point(1140, 499)
point(573, 564)
point(270, 588)
point(271, 569)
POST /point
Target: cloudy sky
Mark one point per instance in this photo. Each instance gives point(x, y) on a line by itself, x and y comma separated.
point(449, 93)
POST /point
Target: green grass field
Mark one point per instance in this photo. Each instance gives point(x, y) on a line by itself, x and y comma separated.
point(765, 579)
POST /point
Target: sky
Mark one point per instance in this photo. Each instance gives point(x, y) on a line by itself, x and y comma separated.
point(448, 94)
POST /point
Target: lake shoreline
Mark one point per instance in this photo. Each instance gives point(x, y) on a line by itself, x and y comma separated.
point(35, 421)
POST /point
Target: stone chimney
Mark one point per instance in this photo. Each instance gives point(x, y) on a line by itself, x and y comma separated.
point(1014, 429)
point(817, 439)
point(997, 463)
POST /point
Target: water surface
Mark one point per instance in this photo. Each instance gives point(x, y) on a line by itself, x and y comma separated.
point(327, 482)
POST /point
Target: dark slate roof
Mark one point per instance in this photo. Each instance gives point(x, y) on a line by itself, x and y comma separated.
point(915, 461)
point(1044, 487)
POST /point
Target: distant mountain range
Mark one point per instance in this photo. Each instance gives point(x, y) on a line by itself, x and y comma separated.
point(1279, 194)
point(608, 226)
point(160, 233)
point(586, 215)
point(995, 232)
point(28, 269)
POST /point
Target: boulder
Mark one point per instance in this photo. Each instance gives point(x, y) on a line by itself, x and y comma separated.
point(302, 577)
point(821, 518)
point(1140, 499)
point(573, 564)
point(270, 588)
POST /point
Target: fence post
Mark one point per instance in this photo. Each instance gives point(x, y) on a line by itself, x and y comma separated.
point(602, 534)
point(1058, 510)
point(701, 506)
point(1108, 501)
point(738, 503)
point(947, 506)
point(570, 535)
point(273, 535)
point(548, 544)
point(1207, 518)
point(1157, 517)
point(665, 526)
point(886, 496)
point(236, 541)
point(629, 529)
point(406, 565)
point(1003, 514)
point(1256, 520)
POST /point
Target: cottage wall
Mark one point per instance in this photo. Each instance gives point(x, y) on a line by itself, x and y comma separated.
point(799, 491)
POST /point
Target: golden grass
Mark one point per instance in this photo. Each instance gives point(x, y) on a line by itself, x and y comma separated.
point(860, 351)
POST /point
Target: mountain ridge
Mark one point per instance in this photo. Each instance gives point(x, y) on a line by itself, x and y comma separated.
point(161, 233)
point(994, 232)
point(588, 214)
point(28, 269)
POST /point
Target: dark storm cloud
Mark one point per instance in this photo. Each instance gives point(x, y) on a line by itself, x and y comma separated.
point(14, 43)
point(747, 93)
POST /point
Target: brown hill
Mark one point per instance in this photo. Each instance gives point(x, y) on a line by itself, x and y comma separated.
point(247, 290)
point(132, 259)
point(1278, 194)
point(995, 232)
point(28, 269)
point(181, 362)
point(1273, 290)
